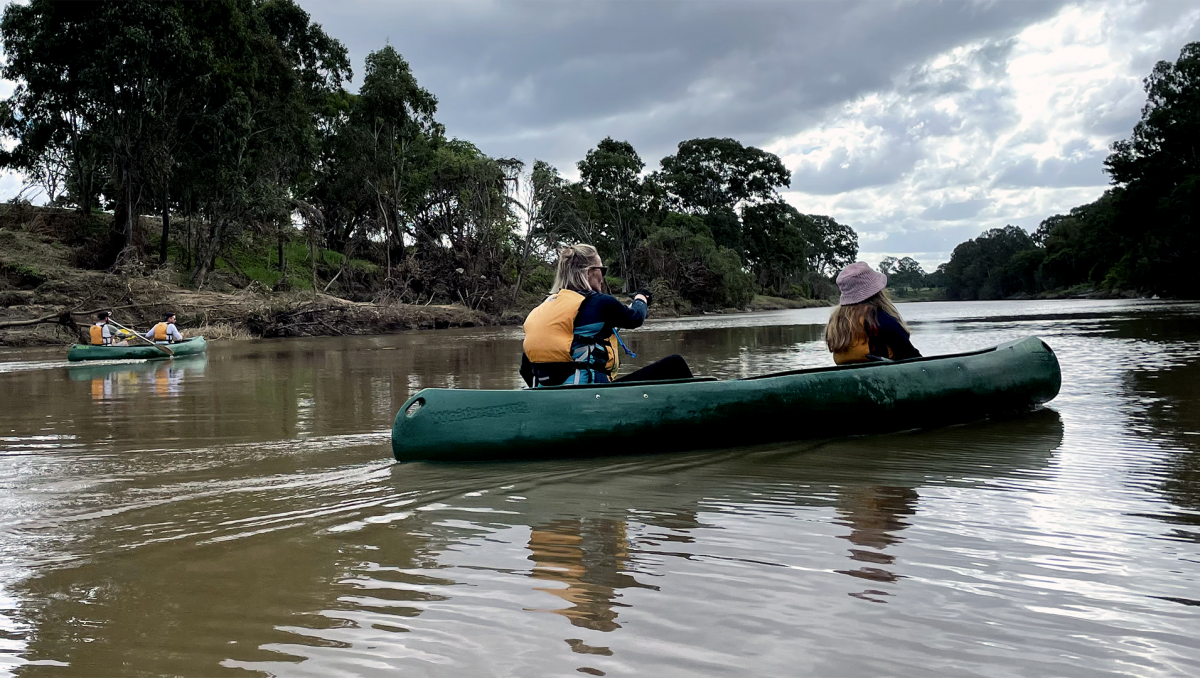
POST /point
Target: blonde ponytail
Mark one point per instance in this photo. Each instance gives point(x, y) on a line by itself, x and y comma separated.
point(572, 270)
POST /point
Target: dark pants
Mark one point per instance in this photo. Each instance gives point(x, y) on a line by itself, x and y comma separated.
point(671, 367)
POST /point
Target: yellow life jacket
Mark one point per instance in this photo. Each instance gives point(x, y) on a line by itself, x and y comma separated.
point(550, 332)
point(97, 335)
point(857, 353)
point(160, 332)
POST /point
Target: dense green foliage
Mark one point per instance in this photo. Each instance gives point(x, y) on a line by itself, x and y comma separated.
point(709, 223)
point(683, 255)
point(232, 116)
point(1141, 235)
point(205, 108)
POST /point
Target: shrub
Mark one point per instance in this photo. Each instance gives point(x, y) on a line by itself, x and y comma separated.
point(704, 274)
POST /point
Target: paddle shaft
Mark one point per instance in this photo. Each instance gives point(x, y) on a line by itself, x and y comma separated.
point(160, 347)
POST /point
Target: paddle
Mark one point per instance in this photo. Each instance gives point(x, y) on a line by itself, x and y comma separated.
point(160, 347)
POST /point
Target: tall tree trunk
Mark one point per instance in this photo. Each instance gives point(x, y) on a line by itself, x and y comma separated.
point(279, 236)
point(207, 255)
point(524, 261)
point(312, 253)
point(166, 230)
point(129, 210)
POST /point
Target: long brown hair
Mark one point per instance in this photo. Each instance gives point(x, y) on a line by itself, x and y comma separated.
point(848, 324)
point(573, 264)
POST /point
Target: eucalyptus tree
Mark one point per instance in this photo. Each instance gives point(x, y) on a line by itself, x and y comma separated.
point(545, 203)
point(50, 50)
point(1157, 170)
point(376, 144)
point(611, 172)
point(464, 229)
point(908, 273)
point(776, 245)
point(708, 175)
point(718, 179)
point(396, 115)
point(221, 96)
point(989, 266)
point(104, 82)
point(271, 75)
point(833, 246)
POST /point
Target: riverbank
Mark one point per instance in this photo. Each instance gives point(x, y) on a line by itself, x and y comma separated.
point(47, 299)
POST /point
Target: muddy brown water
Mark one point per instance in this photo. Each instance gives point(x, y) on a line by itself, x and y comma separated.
point(239, 514)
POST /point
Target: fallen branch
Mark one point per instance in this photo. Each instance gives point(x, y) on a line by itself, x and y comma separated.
point(59, 318)
point(335, 277)
point(331, 328)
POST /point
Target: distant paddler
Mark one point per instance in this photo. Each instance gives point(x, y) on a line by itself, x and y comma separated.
point(165, 332)
point(101, 334)
point(135, 335)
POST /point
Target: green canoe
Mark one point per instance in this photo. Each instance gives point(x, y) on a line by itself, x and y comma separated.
point(190, 346)
point(440, 424)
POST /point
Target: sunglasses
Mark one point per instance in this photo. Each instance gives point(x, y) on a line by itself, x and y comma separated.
point(603, 269)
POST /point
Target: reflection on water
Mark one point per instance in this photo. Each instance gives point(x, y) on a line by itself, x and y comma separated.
point(875, 515)
point(1165, 404)
point(588, 557)
point(158, 378)
point(240, 515)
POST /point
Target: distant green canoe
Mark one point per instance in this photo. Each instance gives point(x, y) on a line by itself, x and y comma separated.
point(440, 424)
point(191, 346)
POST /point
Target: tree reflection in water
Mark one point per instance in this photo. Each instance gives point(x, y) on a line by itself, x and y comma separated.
point(1166, 404)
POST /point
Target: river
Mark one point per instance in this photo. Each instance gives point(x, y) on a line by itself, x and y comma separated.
point(239, 514)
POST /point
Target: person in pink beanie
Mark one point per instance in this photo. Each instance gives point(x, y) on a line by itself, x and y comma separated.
point(865, 325)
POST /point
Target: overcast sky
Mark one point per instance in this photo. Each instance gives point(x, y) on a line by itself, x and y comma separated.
point(919, 124)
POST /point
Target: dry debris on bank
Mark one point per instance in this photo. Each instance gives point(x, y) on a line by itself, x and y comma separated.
point(40, 282)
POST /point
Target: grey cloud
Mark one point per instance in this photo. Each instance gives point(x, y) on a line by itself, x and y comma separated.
point(1083, 170)
point(842, 172)
point(990, 59)
point(955, 211)
point(654, 72)
point(919, 237)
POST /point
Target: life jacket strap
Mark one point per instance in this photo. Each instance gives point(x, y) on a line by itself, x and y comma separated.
point(625, 348)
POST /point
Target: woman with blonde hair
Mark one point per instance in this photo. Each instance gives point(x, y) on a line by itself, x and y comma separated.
point(865, 325)
point(571, 338)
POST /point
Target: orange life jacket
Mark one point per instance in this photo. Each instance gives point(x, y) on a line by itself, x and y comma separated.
point(550, 332)
point(160, 332)
point(857, 353)
point(97, 335)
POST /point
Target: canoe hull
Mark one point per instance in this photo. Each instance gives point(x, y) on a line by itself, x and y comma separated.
point(475, 425)
point(192, 346)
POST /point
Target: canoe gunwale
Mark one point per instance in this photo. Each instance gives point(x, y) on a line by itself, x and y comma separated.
point(787, 373)
point(874, 363)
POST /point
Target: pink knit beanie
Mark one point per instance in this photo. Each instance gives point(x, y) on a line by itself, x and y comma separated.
point(859, 283)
